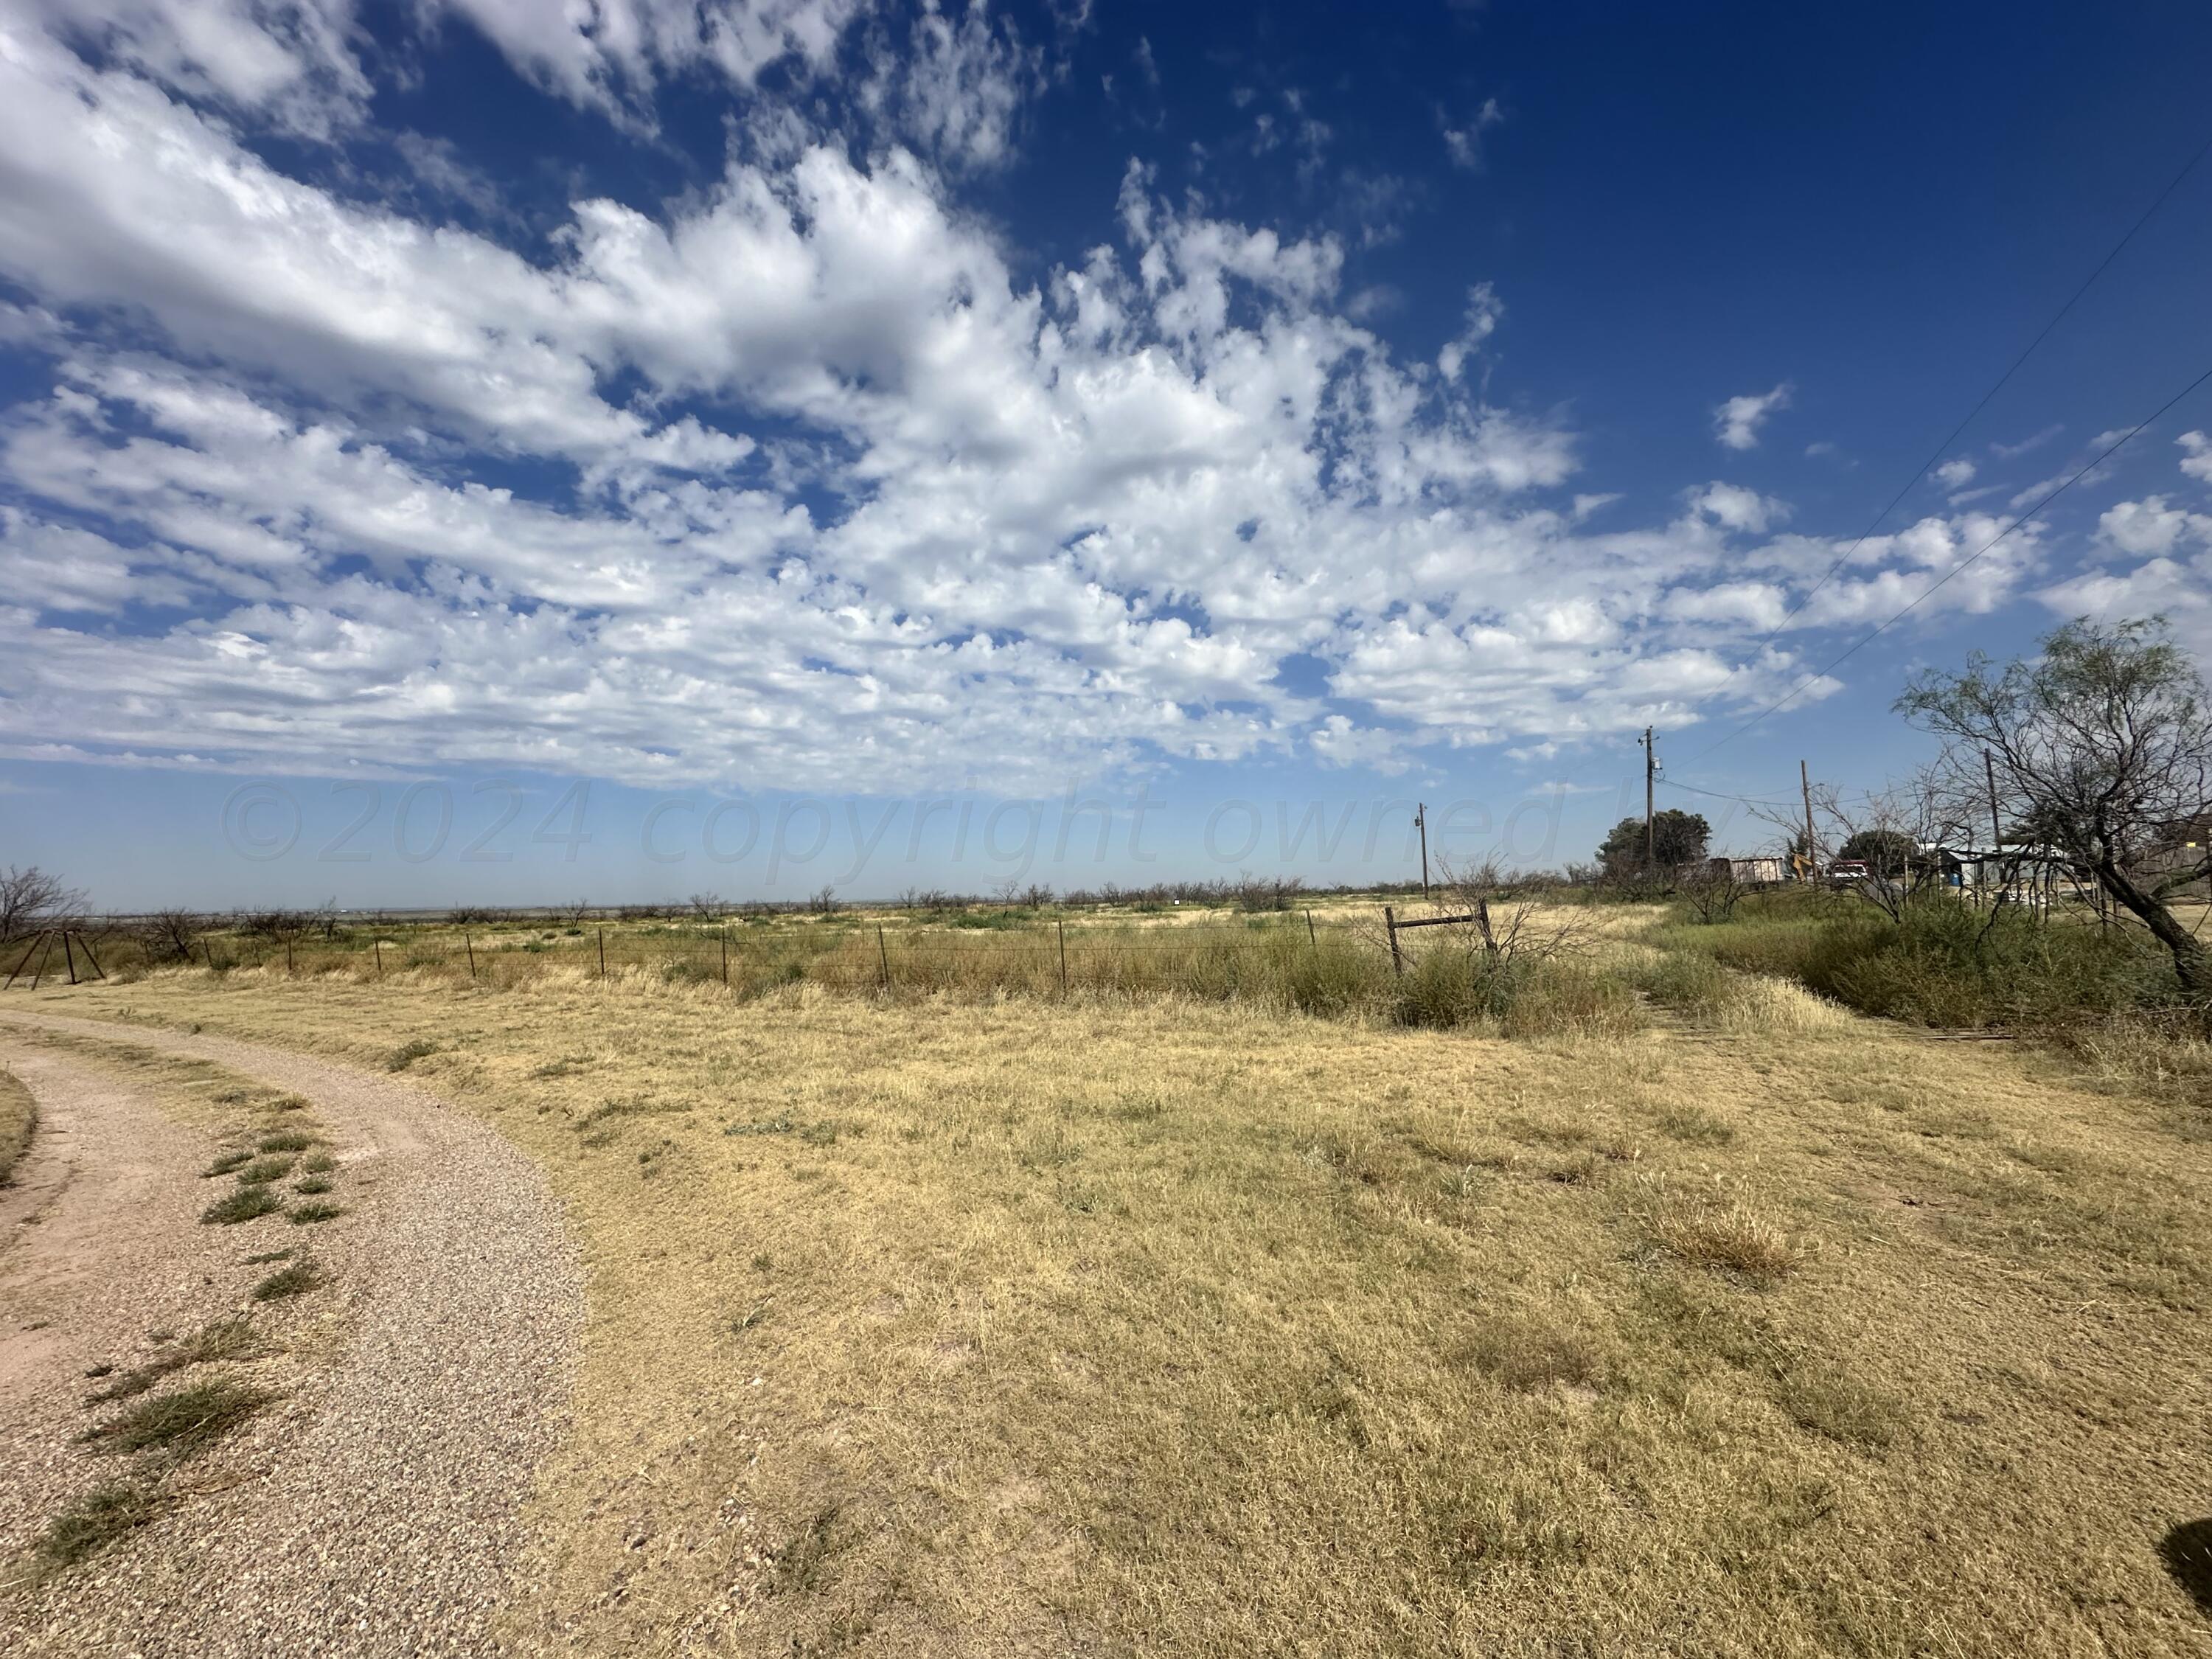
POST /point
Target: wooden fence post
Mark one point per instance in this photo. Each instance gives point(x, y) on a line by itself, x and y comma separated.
point(207, 949)
point(377, 944)
point(470, 945)
point(884, 956)
point(603, 953)
point(1312, 937)
point(1390, 927)
point(23, 960)
point(726, 953)
point(1062, 926)
point(288, 956)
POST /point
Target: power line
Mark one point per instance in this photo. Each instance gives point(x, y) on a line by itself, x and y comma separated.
point(2105, 265)
point(1928, 592)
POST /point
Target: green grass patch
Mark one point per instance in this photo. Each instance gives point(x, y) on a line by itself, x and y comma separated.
point(264, 1170)
point(286, 1140)
point(314, 1211)
point(314, 1186)
point(244, 1205)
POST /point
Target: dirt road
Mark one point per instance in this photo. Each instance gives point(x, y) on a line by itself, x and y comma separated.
point(374, 1509)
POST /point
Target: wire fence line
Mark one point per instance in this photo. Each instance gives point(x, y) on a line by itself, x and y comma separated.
point(1029, 955)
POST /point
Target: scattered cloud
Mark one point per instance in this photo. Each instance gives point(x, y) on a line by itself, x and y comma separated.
point(1736, 422)
point(329, 482)
point(2034, 441)
point(1955, 474)
point(1463, 138)
point(2196, 455)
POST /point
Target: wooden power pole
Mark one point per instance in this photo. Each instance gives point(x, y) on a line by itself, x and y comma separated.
point(1805, 783)
point(1650, 773)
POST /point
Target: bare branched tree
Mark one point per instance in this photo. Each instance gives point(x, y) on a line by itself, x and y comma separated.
point(1711, 890)
point(171, 933)
point(30, 900)
point(2101, 748)
point(707, 907)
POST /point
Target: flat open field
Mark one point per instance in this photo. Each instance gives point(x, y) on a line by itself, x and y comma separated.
point(1108, 1325)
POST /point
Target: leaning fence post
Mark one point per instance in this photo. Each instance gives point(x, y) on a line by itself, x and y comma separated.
point(377, 945)
point(39, 972)
point(469, 945)
point(85, 946)
point(23, 960)
point(1390, 927)
point(69, 956)
point(1312, 937)
point(882, 955)
point(1062, 926)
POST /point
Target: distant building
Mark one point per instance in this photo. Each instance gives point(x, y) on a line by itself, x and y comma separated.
point(1752, 871)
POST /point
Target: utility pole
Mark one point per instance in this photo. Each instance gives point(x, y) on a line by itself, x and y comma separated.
point(1805, 783)
point(1421, 823)
point(1650, 775)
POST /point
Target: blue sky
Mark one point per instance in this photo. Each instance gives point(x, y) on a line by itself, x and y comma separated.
point(455, 451)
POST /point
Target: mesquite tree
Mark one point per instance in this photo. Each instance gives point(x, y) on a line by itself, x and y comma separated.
point(2102, 747)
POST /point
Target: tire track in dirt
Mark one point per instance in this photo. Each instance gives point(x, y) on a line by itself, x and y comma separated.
point(376, 1511)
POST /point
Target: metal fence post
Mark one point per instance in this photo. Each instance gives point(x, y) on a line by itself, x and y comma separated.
point(726, 953)
point(1062, 926)
point(603, 953)
point(882, 955)
point(377, 944)
point(1312, 937)
point(469, 945)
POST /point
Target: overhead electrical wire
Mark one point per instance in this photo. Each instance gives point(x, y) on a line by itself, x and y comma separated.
point(1929, 591)
point(1951, 437)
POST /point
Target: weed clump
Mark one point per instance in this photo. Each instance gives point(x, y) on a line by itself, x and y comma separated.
point(264, 1170)
point(244, 1205)
point(298, 1278)
point(1719, 1229)
point(308, 1213)
point(183, 1423)
point(233, 1339)
point(286, 1140)
point(408, 1053)
point(93, 1522)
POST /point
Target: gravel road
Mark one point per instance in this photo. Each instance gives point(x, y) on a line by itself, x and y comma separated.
point(376, 1509)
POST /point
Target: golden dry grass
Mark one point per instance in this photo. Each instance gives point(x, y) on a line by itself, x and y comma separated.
point(949, 1326)
point(19, 1116)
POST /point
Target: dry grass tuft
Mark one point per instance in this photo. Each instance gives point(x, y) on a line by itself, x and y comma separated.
point(185, 1423)
point(93, 1522)
point(1716, 1226)
point(19, 1117)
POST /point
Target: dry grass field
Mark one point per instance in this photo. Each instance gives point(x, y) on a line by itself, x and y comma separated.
point(17, 1118)
point(1152, 1325)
